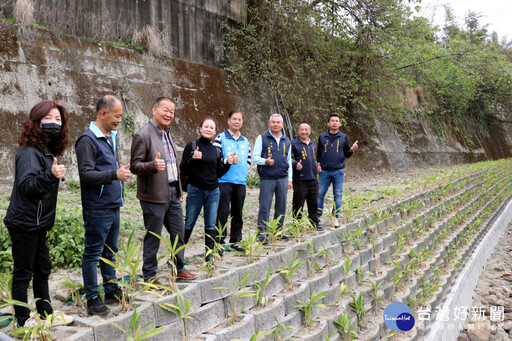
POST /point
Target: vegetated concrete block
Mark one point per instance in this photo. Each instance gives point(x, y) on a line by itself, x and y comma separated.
point(302, 250)
point(206, 317)
point(172, 332)
point(277, 284)
point(69, 333)
point(337, 250)
point(294, 319)
point(320, 283)
point(191, 292)
point(366, 255)
point(265, 319)
point(104, 330)
point(276, 259)
point(381, 227)
point(385, 256)
point(257, 270)
point(243, 329)
point(242, 304)
point(317, 333)
point(331, 295)
point(208, 291)
point(356, 261)
point(322, 241)
point(351, 280)
point(300, 293)
point(388, 240)
point(336, 274)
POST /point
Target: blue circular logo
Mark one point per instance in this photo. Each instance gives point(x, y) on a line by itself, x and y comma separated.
point(398, 317)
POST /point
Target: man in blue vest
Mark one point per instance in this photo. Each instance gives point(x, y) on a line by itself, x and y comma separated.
point(101, 183)
point(232, 184)
point(333, 148)
point(273, 157)
point(305, 183)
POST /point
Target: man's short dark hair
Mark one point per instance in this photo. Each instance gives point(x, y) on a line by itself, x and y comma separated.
point(303, 122)
point(106, 102)
point(334, 115)
point(160, 99)
point(231, 113)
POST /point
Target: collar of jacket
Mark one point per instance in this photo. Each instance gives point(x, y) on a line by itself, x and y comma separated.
point(98, 133)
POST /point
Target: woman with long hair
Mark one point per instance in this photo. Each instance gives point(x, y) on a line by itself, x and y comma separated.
point(203, 165)
point(31, 212)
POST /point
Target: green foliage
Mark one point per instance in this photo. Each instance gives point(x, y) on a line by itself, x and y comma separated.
point(135, 333)
point(289, 268)
point(181, 309)
point(345, 327)
point(237, 291)
point(308, 307)
point(66, 239)
point(253, 181)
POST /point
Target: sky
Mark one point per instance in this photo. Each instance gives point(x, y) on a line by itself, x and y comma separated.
point(496, 13)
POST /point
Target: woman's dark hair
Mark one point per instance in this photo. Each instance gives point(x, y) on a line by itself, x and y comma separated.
point(211, 119)
point(31, 135)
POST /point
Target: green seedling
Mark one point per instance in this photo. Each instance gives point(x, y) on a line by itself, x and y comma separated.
point(358, 307)
point(76, 287)
point(261, 288)
point(181, 309)
point(308, 307)
point(281, 330)
point(251, 245)
point(128, 267)
point(289, 268)
point(135, 328)
point(274, 232)
point(376, 294)
point(341, 291)
point(236, 290)
point(345, 328)
point(324, 253)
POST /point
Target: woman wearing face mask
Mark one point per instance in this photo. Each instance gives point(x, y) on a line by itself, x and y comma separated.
point(203, 165)
point(31, 212)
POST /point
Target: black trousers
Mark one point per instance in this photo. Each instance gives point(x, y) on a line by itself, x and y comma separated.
point(231, 195)
point(306, 191)
point(31, 257)
point(157, 215)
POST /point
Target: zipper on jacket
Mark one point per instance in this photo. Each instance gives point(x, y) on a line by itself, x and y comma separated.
point(39, 211)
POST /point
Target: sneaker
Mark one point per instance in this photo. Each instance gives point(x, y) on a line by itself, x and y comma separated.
point(58, 318)
point(96, 306)
point(32, 322)
point(320, 228)
point(336, 223)
point(114, 297)
point(283, 237)
point(186, 275)
point(237, 247)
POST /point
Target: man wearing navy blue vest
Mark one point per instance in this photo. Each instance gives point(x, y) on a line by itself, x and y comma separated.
point(101, 183)
point(272, 154)
point(305, 183)
point(232, 184)
point(333, 148)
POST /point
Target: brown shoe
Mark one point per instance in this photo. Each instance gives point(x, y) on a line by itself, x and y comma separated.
point(186, 275)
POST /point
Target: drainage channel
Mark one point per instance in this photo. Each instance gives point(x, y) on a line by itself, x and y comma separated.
point(463, 289)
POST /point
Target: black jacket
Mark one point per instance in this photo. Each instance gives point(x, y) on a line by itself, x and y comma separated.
point(34, 194)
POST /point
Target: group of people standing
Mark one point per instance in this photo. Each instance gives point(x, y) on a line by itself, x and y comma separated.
point(213, 171)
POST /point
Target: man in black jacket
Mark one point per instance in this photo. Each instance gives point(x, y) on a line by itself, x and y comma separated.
point(159, 189)
point(333, 148)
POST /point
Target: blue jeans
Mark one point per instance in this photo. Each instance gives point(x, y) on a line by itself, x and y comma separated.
point(196, 199)
point(267, 189)
point(324, 181)
point(101, 230)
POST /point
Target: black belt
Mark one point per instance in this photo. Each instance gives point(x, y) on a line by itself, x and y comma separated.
point(174, 184)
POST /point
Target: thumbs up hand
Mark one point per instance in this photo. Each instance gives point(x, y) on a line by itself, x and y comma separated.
point(159, 163)
point(231, 159)
point(269, 161)
point(124, 173)
point(299, 165)
point(197, 154)
point(355, 146)
point(58, 170)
